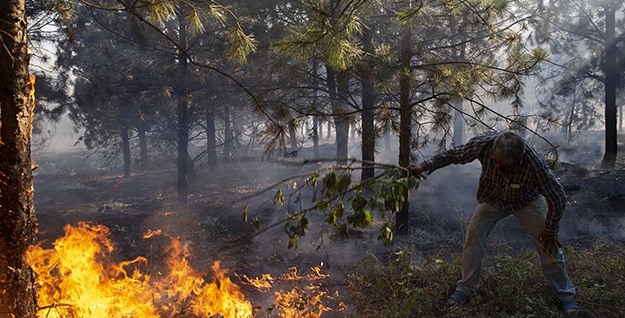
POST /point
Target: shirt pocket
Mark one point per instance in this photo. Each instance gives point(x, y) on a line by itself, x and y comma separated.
point(513, 191)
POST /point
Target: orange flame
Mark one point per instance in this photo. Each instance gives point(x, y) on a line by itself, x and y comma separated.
point(305, 299)
point(74, 283)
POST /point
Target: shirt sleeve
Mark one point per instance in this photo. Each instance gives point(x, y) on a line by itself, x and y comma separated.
point(552, 190)
point(461, 154)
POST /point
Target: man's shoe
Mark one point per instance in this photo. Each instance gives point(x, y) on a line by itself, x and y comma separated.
point(458, 298)
point(569, 306)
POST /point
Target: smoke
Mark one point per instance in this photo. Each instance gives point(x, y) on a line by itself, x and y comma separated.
point(57, 137)
point(439, 210)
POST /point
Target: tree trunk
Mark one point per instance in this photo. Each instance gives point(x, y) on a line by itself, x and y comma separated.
point(405, 124)
point(183, 149)
point(458, 54)
point(315, 136)
point(458, 122)
point(192, 175)
point(18, 225)
point(227, 133)
point(368, 108)
point(329, 132)
point(341, 120)
point(611, 79)
point(316, 128)
point(387, 141)
point(567, 125)
point(211, 140)
point(143, 147)
point(337, 84)
point(620, 118)
point(293, 137)
point(183, 114)
point(126, 152)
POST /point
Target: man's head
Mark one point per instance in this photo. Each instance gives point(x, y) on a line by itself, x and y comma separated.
point(508, 149)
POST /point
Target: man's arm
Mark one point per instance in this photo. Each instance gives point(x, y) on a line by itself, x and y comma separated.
point(552, 190)
point(549, 186)
point(458, 155)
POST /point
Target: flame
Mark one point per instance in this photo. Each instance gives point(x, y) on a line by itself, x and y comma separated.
point(73, 282)
point(306, 299)
point(76, 279)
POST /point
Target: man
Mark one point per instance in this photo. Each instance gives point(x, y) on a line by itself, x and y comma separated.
point(514, 180)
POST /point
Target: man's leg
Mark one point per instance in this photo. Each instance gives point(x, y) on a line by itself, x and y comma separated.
point(533, 218)
point(484, 218)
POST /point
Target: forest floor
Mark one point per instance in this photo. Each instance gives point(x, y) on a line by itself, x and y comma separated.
point(71, 188)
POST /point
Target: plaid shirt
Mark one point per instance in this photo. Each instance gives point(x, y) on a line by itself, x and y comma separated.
point(512, 190)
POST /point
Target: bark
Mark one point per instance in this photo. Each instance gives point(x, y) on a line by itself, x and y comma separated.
point(329, 132)
point(611, 79)
point(18, 224)
point(183, 115)
point(192, 175)
point(211, 140)
point(458, 54)
point(315, 136)
point(316, 127)
point(458, 122)
point(387, 141)
point(405, 124)
point(368, 108)
point(227, 133)
point(567, 125)
point(337, 85)
point(293, 138)
point(620, 118)
point(341, 119)
point(143, 146)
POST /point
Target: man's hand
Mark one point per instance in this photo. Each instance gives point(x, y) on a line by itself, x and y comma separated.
point(550, 242)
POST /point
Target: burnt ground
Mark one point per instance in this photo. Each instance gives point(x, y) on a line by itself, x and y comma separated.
point(72, 188)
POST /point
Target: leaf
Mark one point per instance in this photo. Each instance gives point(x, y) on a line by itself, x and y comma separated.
point(358, 202)
point(278, 199)
point(336, 213)
point(329, 183)
point(312, 179)
point(293, 241)
point(241, 45)
point(303, 225)
point(194, 20)
point(345, 180)
point(256, 223)
point(322, 205)
point(386, 233)
point(343, 230)
point(360, 219)
point(244, 212)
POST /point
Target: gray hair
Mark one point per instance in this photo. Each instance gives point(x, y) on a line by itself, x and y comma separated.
point(509, 147)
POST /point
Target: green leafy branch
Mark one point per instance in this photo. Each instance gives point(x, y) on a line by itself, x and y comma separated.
point(343, 201)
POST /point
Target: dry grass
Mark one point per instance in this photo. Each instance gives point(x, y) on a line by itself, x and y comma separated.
point(512, 285)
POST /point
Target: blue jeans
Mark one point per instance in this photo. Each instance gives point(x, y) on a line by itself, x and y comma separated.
point(532, 217)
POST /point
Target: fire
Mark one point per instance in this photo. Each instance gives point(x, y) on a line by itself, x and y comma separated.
point(306, 299)
point(75, 281)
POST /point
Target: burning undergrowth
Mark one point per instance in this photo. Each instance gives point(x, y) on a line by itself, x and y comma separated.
point(78, 278)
